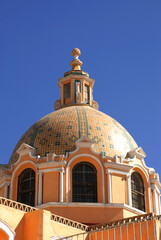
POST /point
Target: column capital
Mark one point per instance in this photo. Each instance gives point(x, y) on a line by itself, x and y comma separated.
point(7, 183)
point(128, 175)
point(61, 170)
point(108, 171)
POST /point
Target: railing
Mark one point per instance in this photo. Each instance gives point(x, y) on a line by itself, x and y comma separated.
point(16, 205)
point(69, 222)
point(101, 232)
point(123, 222)
point(56, 218)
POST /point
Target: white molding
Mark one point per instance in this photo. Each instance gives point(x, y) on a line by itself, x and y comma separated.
point(13, 174)
point(109, 186)
point(156, 182)
point(51, 164)
point(128, 179)
point(143, 170)
point(50, 170)
point(155, 201)
point(40, 190)
point(84, 142)
point(80, 144)
point(111, 170)
point(59, 237)
point(28, 149)
point(6, 183)
point(137, 152)
point(94, 158)
point(153, 186)
point(7, 229)
point(61, 185)
point(76, 77)
point(150, 198)
point(19, 158)
point(93, 205)
point(148, 181)
point(117, 167)
point(4, 178)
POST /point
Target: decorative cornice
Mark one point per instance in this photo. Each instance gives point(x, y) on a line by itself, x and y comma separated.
point(76, 77)
point(117, 166)
point(52, 164)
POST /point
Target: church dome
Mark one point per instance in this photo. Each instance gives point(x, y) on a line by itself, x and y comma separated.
point(58, 131)
point(76, 116)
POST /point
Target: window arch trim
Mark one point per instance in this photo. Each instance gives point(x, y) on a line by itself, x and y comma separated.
point(15, 172)
point(102, 173)
point(7, 229)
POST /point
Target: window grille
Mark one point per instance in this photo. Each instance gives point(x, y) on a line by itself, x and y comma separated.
point(26, 187)
point(67, 90)
point(137, 190)
point(84, 179)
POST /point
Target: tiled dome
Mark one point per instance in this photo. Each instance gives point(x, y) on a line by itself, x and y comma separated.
point(58, 131)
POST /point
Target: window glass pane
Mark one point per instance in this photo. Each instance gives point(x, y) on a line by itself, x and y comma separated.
point(67, 90)
point(137, 189)
point(84, 178)
point(26, 187)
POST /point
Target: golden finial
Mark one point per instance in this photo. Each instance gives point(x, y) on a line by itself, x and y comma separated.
point(76, 63)
point(76, 53)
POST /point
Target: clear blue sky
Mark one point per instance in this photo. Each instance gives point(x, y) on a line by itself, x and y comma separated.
point(120, 43)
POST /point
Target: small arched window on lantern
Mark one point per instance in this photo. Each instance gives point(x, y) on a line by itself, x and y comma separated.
point(26, 187)
point(84, 183)
point(137, 190)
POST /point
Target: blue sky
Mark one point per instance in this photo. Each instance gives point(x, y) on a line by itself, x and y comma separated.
point(120, 43)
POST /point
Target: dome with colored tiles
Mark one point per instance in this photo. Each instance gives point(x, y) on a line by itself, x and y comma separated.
point(76, 116)
point(58, 131)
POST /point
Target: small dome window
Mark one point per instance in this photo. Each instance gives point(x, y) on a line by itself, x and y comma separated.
point(67, 90)
point(26, 187)
point(86, 93)
point(84, 179)
point(137, 190)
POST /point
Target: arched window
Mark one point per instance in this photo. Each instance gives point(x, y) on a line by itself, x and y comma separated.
point(26, 187)
point(137, 189)
point(84, 179)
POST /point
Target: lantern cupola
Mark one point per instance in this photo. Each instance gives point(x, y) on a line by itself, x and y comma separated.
point(76, 86)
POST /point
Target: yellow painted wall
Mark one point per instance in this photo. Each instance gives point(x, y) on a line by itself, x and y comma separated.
point(118, 188)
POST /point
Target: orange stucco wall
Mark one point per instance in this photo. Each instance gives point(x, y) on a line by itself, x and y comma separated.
point(2, 191)
point(87, 214)
point(51, 187)
point(118, 189)
point(36, 225)
point(3, 235)
point(139, 231)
